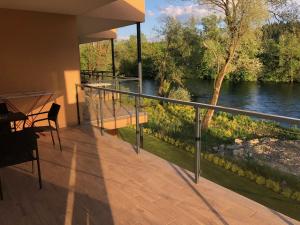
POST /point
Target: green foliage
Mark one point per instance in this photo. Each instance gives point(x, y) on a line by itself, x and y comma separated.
point(280, 52)
point(95, 56)
point(260, 180)
point(296, 196)
point(275, 186)
point(287, 192)
point(197, 50)
point(180, 94)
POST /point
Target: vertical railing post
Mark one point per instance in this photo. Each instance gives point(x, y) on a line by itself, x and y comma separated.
point(101, 111)
point(140, 73)
point(114, 108)
point(98, 110)
point(120, 95)
point(137, 123)
point(77, 105)
point(113, 63)
point(198, 144)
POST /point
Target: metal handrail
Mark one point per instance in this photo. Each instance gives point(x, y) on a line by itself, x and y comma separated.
point(196, 105)
point(266, 116)
point(106, 74)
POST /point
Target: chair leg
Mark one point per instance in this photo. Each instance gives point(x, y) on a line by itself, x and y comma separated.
point(39, 168)
point(1, 193)
point(51, 134)
point(32, 167)
point(56, 128)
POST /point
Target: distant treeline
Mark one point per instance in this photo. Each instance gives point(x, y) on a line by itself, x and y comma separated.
point(192, 49)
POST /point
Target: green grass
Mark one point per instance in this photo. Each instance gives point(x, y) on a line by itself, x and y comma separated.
point(217, 174)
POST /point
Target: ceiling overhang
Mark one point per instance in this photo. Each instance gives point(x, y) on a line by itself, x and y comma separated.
point(94, 17)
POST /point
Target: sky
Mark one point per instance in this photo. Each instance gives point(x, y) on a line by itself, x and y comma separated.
point(157, 9)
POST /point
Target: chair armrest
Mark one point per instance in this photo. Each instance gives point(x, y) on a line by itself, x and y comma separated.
point(39, 120)
point(36, 114)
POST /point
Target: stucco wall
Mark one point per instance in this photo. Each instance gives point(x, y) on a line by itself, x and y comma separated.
point(39, 52)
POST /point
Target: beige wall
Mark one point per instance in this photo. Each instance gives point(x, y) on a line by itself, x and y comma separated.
point(39, 52)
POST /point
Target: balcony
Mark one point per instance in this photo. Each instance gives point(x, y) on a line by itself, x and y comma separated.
point(101, 180)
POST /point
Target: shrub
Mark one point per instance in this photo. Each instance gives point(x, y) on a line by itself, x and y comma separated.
point(221, 162)
point(202, 155)
point(206, 156)
point(260, 180)
point(250, 175)
point(269, 183)
point(210, 157)
point(296, 196)
point(241, 172)
point(234, 168)
point(276, 187)
point(216, 160)
point(287, 192)
point(228, 165)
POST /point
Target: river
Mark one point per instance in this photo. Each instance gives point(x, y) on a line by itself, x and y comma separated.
point(274, 98)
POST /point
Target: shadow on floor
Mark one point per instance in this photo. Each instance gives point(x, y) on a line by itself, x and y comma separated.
point(74, 190)
point(186, 177)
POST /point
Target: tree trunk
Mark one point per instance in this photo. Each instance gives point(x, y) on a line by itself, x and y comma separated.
point(217, 88)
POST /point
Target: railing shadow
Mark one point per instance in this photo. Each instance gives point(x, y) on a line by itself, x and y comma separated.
point(185, 176)
point(282, 218)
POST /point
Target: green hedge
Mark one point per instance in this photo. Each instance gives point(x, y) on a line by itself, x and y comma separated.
point(260, 180)
point(233, 167)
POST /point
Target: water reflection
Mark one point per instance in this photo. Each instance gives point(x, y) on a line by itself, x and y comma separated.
point(274, 98)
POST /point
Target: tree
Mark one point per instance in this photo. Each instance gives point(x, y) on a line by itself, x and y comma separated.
point(241, 17)
point(280, 52)
point(179, 54)
point(289, 59)
point(169, 72)
point(95, 55)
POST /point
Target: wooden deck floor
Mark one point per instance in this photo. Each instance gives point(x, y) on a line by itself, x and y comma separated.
point(101, 180)
point(114, 117)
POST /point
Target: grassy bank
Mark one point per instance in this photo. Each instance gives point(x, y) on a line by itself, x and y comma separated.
point(217, 174)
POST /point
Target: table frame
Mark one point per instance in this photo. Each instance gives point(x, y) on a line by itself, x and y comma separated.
point(7, 98)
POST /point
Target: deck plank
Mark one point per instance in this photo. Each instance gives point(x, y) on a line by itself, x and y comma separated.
point(101, 180)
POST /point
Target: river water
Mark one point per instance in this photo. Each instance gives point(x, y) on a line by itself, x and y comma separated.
point(274, 98)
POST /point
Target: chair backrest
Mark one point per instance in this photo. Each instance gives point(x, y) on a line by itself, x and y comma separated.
point(3, 108)
point(53, 112)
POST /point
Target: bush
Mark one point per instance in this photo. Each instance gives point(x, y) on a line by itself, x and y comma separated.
point(210, 157)
point(206, 156)
point(228, 165)
point(216, 160)
point(296, 196)
point(276, 187)
point(202, 155)
point(221, 162)
point(260, 180)
point(250, 175)
point(234, 168)
point(241, 172)
point(180, 94)
point(287, 192)
point(269, 183)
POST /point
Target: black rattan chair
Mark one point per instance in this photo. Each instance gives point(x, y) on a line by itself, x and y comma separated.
point(4, 127)
point(19, 147)
point(51, 117)
point(3, 108)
